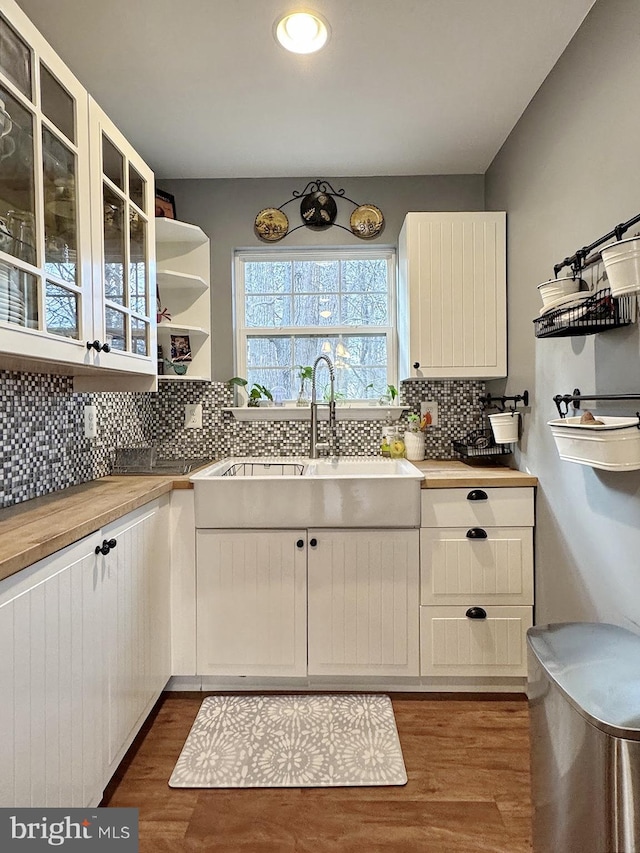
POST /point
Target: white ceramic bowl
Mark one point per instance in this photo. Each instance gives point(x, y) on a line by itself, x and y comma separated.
point(622, 262)
point(557, 288)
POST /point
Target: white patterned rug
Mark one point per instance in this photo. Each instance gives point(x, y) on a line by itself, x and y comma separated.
point(311, 741)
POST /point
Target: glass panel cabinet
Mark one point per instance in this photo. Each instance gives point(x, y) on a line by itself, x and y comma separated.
point(71, 293)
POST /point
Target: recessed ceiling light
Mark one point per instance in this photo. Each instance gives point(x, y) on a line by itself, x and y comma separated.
point(302, 32)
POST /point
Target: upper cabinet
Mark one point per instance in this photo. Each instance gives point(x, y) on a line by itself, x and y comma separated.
point(452, 321)
point(183, 290)
point(59, 289)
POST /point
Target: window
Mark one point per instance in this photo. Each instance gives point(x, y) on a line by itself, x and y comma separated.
point(293, 307)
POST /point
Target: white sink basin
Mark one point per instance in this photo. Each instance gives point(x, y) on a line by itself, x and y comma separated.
point(262, 492)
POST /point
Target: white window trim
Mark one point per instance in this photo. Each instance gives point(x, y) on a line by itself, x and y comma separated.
point(241, 331)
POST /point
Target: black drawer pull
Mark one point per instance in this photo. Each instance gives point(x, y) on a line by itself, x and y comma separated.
point(106, 546)
point(476, 533)
point(476, 613)
point(313, 542)
point(416, 365)
point(477, 495)
point(300, 543)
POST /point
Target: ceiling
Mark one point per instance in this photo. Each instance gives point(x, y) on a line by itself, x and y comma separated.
point(409, 87)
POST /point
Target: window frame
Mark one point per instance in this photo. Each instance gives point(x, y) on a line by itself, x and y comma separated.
point(242, 332)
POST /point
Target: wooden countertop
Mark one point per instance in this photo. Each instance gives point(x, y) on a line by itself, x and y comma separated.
point(452, 474)
point(37, 528)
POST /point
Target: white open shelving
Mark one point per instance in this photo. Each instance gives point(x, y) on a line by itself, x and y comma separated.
point(183, 279)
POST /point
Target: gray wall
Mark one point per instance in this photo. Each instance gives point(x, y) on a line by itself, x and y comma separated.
point(566, 175)
point(226, 210)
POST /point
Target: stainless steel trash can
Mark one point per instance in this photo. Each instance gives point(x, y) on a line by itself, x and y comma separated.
point(584, 701)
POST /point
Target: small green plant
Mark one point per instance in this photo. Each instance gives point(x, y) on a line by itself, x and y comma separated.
point(255, 394)
point(305, 373)
point(414, 422)
point(389, 396)
point(392, 391)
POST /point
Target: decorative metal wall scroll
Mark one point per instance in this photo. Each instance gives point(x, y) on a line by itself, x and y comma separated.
point(318, 211)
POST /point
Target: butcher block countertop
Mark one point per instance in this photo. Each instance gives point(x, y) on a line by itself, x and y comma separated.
point(38, 528)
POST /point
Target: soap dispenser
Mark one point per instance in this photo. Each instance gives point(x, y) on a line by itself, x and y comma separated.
point(388, 432)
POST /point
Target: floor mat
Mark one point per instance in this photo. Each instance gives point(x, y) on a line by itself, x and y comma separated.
point(291, 741)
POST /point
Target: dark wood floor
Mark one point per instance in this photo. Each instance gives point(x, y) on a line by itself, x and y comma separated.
point(468, 765)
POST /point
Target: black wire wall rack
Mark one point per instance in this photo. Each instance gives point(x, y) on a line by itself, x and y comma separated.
point(597, 313)
point(576, 398)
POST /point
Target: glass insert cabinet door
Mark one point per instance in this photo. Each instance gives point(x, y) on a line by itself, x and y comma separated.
point(122, 198)
point(45, 240)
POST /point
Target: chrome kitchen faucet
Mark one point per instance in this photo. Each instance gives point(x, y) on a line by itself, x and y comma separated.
point(331, 443)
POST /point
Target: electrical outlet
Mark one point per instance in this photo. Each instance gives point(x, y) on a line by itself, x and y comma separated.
point(193, 416)
point(431, 407)
point(90, 422)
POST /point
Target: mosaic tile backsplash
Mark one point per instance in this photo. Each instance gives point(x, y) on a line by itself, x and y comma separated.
point(42, 426)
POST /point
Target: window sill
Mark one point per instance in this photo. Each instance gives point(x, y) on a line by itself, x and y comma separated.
point(345, 412)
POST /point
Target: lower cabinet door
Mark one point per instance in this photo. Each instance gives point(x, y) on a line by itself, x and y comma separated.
point(455, 642)
point(251, 602)
point(363, 602)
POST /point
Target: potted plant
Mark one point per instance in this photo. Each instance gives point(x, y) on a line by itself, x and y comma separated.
point(304, 373)
point(389, 397)
point(257, 392)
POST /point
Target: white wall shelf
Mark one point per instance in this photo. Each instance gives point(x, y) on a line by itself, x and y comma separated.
point(183, 286)
point(303, 413)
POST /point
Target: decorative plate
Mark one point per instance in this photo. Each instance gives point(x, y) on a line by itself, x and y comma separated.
point(271, 224)
point(366, 221)
point(318, 210)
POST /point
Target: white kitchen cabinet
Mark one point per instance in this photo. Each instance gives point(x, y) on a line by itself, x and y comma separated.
point(137, 622)
point(183, 276)
point(67, 674)
point(363, 602)
point(452, 321)
point(251, 602)
point(52, 298)
point(476, 583)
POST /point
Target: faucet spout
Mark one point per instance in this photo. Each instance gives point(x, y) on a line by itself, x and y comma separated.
point(316, 445)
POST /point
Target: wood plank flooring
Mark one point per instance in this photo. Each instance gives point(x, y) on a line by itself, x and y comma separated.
point(467, 760)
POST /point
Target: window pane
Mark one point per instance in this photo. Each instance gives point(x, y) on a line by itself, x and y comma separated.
point(137, 188)
point(112, 162)
point(116, 329)
point(364, 309)
point(316, 310)
point(307, 349)
point(137, 263)
point(267, 277)
point(15, 58)
point(139, 336)
point(268, 352)
point(59, 171)
point(277, 380)
point(17, 194)
point(268, 310)
point(365, 275)
point(61, 311)
point(114, 237)
point(57, 103)
point(18, 297)
point(316, 276)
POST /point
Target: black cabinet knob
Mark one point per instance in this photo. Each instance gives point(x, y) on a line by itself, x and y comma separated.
point(98, 347)
point(476, 533)
point(416, 365)
point(477, 495)
point(300, 543)
point(476, 613)
point(313, 542)
point(106, 546)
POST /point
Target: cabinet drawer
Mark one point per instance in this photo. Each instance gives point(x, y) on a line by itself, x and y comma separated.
point(455, 569)
point(483, 507)
point(452, 644)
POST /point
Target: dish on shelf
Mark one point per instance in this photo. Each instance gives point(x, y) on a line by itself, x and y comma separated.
point(567, 301)
point(366, 221)
point(557, 287)
point(271, 224)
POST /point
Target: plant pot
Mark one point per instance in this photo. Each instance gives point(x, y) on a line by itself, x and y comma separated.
point(622, 263)
point(505, 427)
